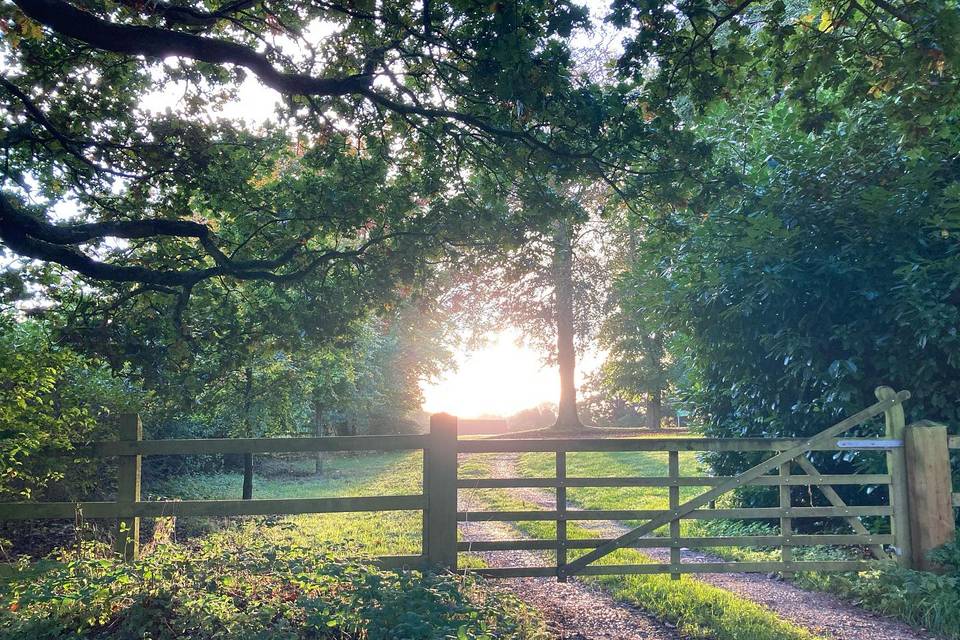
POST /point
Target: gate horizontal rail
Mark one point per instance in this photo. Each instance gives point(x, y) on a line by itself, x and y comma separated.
point(527, 544)
point(692, 567)
point(552, 445)
point(666, 481)
point(761, 513)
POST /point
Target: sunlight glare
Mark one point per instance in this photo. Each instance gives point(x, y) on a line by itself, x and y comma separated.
point(499, 379)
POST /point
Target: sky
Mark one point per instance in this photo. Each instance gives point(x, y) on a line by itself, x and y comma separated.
point(499, 379)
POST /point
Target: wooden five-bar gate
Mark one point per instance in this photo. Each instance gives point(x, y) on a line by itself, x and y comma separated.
point(918, 505)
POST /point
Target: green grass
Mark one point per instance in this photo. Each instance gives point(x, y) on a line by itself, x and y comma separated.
point(617, 464)
point(698, 609)
point(287, 578)
point(374, 533)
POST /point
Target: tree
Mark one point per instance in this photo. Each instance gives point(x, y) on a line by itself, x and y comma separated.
point(827, 268)
point(637, 367)
point(381, 114)
point(546, 282)
point(52, 399)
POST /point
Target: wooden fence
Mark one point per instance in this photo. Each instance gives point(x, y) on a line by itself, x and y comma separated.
point(917, 481)
point(439, 461)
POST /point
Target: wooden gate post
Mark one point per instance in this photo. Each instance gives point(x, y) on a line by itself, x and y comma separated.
point(897, 468)
point(440, 489)
point(128, 488)
point(929, 487)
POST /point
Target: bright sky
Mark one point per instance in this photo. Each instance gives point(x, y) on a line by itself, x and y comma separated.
point(498, 379)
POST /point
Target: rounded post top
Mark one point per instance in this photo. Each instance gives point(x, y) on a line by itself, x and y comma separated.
point(884, 392)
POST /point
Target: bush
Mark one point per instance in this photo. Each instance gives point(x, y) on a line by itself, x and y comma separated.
point(52, 398)
point(920, 598)
point(246, 585)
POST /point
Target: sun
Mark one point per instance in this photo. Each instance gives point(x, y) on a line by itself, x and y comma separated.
point(500, 379)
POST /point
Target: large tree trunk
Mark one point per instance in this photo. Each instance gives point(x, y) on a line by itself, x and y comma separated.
point(654, 409)
point(248, 426)
point(567, 417)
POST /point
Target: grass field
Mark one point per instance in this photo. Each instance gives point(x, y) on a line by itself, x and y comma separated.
point(373, 533)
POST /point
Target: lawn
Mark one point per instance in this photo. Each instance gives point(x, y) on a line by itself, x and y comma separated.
point(374, 533)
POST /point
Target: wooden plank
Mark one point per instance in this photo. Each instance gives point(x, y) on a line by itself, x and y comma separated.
point(528, 544)
point(697, 514)
point(561, 506)
point(256, 445)
point(895, 424)
point(953, 442)
point(550, 445)
point(929, 490)
point(834, 498)
point(956, 499)
point(666, 481)
point(440, 487)
point(127, 542)
point(648, 569)
point(756, 471)
point(183, 508)
point(732, 567)
point(673, 468)
point(786, 523)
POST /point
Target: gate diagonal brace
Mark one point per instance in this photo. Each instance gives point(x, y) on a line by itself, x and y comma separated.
point(764, 467)
point(834, 498)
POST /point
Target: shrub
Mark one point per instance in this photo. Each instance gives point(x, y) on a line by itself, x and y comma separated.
point(246, 585)
point(50, 399)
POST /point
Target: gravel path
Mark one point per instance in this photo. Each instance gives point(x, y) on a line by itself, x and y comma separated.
point(821, 613)
point(573, 610)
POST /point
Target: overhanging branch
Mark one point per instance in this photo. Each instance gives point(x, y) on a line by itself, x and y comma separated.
point(67, 20)
point(33, 238)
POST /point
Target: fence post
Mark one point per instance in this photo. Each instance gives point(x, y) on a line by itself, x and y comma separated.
point(673, 469)
point(929, 487)
point(561, 472)
point(440, 489)
point(897, 468)
point(128, 488)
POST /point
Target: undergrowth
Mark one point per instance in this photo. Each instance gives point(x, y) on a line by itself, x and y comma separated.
point(920, 598)
point(244, 585)
point(305, 577)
